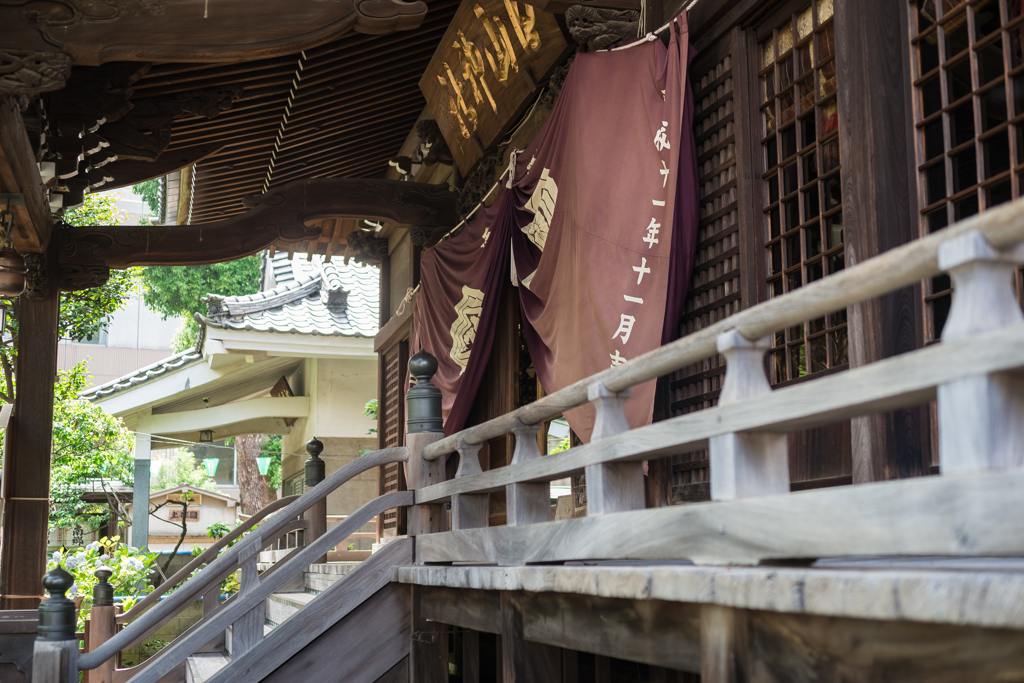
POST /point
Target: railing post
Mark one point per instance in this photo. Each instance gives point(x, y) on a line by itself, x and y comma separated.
point(247, 630)
point(316, 515)
point(612, 487)
point(55, 654)
point(428, 651)
point(101, 626)
point(745, 465)
point(527, 503)
point(469, 510)
point(981, 419)
point(425, 426)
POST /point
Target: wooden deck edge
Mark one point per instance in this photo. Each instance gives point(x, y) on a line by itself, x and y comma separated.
point(989, 599)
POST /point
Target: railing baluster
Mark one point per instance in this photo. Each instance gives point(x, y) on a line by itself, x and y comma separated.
point(746, 464)
point(981, 419)
point(247, 631)
point(102, 626)
point(612, 487)
point(527, 503)
point(469, 510)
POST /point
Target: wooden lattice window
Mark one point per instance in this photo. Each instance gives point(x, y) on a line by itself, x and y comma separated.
point(803, 215)
point(968, 72)
point(391, 409)
point(715, 283)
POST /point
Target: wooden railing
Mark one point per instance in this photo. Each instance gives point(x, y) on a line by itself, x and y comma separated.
point(974, 375)
point(974, 508)
point(242, 612)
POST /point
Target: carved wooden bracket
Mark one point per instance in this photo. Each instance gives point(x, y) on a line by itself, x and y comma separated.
point(280, 215)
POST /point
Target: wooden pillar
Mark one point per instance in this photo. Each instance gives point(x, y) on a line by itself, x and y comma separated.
point(428, 655)
point(26, 468)
point(879, 213)
point(470, 656)
point(723, 645)
point(140, 493)
point(522, 660)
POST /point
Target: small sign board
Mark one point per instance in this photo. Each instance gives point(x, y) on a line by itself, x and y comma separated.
point(486, 70)
point(175, 515)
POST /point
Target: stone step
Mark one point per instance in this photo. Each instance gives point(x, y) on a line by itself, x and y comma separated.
point(202, 667)
point(282, 606)
point(320, 577)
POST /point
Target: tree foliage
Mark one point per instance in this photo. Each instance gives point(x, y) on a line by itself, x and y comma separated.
point(90, 448)
point(179, 290)
point(182, 468)
point(149, 190)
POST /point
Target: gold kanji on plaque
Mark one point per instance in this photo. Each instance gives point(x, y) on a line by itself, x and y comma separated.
point(485, 71)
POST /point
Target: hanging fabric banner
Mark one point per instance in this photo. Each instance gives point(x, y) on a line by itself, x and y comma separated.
point(601, 218)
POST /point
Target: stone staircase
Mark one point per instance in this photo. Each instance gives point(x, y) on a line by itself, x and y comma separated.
point(280, 607)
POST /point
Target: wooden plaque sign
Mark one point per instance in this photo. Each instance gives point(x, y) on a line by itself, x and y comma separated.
point(485, 70)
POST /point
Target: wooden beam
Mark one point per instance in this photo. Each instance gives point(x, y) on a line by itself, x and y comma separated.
point(27, 448)
point(280, 216)
point(525, 661)
point(476, 610)
point(19, 174)
point(979, 515)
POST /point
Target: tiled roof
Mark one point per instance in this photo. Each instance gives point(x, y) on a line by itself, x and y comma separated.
point(141, 375)
point(329, 299)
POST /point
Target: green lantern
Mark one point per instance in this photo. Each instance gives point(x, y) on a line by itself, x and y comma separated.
point(264, 464)
point(211, 466)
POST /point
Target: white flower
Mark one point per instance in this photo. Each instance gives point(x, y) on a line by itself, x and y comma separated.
point(92, 546)
point(73, 590)
point(71, 563)
point(136, 564)
point(132, 549)
point(104, 557)
point(57, 556)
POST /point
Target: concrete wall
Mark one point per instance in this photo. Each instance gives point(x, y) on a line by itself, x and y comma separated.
point(338, 390)
point(163, 535)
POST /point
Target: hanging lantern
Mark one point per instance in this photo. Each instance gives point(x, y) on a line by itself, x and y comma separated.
point(12, 273)
point(206, 436)
point(211, 466)
point(263, 462)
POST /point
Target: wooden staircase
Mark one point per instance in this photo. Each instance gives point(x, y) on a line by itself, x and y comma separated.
point(366, 662)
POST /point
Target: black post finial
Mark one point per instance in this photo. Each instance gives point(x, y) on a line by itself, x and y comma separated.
point(424, 399)
point(103, 591)
point(57, 612)
point(315, 468)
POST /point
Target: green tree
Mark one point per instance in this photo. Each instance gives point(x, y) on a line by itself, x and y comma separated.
point(149, 190)
point(179, 290)
point(90, 449)
point(84, 314)
point(182, 468)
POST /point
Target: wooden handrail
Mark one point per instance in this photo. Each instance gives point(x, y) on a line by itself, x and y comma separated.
point(907, 380)
point(903, 266)
point(228, 561)
point(247, 600)
point(203, 558)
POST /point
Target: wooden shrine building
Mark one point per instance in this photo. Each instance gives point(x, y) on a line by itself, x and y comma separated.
point(827, 484)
